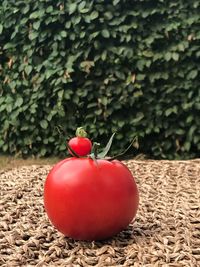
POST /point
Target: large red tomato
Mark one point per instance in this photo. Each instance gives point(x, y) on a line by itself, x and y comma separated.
point(90, 199)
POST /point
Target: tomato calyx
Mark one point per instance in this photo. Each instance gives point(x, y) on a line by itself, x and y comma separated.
point(80, 132)
point(103, 154)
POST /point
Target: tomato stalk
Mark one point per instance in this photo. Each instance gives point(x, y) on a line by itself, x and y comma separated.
point(95, 147)
point(122, 153)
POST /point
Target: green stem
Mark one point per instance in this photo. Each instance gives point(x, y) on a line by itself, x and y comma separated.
point(122, 153)
point(95, 149)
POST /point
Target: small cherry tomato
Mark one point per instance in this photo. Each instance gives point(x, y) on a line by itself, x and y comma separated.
point(80, 144)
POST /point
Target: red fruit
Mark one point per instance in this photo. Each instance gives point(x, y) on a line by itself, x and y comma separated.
point(90, 199)
point(80, 144)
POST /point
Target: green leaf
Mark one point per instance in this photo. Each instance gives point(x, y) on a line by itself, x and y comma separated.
point(175, 56)
point(137, 94)
point(139, 116)
point(37, 14)
point(181, 47)
point(196, 139)
point(189, 119)
point(1, 28)
point(115, 2)
point(63, 34)
point(68, 24)
point(140, 64)
point(140, 77)
point(5, 147)
point(168, 56)
point(148, 53)
point(108, 15)
point(104, 101)
point(94, 15)
point(72, 8)
point(33, 35)
point(43, 152)
point(81, 5)
point(105, 33)
point(98, 112)
point(169, 111)
point(25, 9)
point(8, 46)
point(19, 102)
point(36, 25)
point(28, 69)
point(60, 94)
point(34, 15)
point(84, 10)
point(145, 14)
point(104, 55)
point(49, 9)
point(120, 124)
point(107, 148)
point(44, 124)
point(192, 74)
point(191, 131)
point(187, 146)
point(49, 73)
point(9, 108)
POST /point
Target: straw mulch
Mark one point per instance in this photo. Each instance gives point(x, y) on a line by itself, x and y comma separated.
point(166, 231)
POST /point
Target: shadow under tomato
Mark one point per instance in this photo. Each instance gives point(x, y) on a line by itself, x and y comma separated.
point(134, 233)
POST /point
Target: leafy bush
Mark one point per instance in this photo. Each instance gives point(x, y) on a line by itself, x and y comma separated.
point(126, 66)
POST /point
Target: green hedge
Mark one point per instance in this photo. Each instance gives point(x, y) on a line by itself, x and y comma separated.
point(126, 66)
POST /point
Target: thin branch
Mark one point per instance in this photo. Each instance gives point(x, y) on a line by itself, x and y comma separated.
point(72, 151)
point(122, 153)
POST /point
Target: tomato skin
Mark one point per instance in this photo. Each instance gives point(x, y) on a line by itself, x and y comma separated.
point(90, 200)
point(81, 145)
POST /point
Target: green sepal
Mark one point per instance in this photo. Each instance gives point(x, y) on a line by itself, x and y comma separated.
point(80, 132)
point(105, 151)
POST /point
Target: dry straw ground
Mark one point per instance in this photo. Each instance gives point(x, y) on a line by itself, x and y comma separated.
point(166, 231)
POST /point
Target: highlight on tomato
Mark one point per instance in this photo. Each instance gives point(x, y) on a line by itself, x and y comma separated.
point(90, 197)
